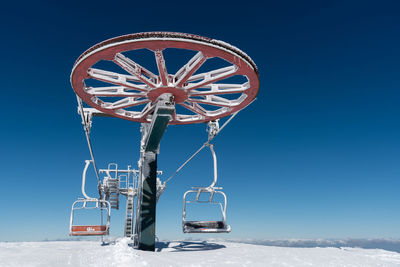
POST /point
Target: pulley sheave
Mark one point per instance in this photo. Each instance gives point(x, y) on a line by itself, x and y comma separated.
point(204, 96)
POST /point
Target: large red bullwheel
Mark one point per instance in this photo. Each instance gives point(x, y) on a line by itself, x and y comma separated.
point(130, 91)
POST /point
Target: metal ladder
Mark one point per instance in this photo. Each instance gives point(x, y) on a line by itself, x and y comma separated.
point(111, 184)
point(113, 192)
point(129, 213)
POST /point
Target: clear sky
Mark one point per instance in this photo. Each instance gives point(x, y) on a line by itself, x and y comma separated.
point(316, 156)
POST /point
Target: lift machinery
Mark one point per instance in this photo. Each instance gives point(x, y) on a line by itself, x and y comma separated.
point(108, 82)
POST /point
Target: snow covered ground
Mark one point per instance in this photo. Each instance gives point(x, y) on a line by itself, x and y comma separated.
point(185, 253)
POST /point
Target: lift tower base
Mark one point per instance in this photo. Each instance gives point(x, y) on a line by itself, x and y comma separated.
point(151, 137)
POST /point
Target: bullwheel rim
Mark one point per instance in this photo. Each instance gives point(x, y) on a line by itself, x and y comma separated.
point(132, 92)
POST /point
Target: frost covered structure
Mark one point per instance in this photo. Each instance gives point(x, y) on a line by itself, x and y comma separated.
point(129, 91)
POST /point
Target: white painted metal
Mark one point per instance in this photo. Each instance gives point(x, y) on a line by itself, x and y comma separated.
point(99, 204)
point(87, 163)
point(134, 88)
point(212, 190)
point(224, 228)
point(211, 146)
point(160, 188)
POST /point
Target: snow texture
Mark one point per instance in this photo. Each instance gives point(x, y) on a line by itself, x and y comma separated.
point(185, 253)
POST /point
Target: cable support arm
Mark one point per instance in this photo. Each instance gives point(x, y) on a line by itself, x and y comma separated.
point(87, 163)
point(86, 126)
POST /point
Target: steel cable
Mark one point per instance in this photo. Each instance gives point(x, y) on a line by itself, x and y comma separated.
point(205, 144)
point(201, 148)
point(86, 127)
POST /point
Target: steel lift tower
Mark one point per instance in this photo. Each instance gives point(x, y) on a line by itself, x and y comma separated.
point(108, 82)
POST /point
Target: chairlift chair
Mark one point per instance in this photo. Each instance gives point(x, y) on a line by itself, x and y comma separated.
point(206, 226)
point(90, 230)
point(89, 203)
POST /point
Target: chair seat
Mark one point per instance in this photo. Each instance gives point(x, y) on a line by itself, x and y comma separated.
point(88, 230)
point(206, 227)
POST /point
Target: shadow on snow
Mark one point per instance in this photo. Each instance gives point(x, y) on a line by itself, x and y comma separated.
point(188, 246)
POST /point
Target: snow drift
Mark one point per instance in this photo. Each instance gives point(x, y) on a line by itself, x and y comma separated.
point(185, 253)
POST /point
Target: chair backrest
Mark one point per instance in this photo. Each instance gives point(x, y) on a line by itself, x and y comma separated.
point(88, 230)
point(198, 191)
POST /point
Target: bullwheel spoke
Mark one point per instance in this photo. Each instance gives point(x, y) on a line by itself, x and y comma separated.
point(220, 89)
point(127, 103)
point(116, 78)
point(189, 68)
point(194, 107)
point(117, 91)
point(135, 69)
point(162, 69)
point(210, 77)
point(214, 101)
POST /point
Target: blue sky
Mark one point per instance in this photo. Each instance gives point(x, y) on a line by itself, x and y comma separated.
point(316, 156)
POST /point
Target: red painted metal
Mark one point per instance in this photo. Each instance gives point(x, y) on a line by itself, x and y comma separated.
point(158, 41)
point(87, 230)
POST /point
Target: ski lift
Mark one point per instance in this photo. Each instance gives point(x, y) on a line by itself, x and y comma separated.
point(206, 226)
point(90, 230)
point(156, 100)
point(89, 203)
